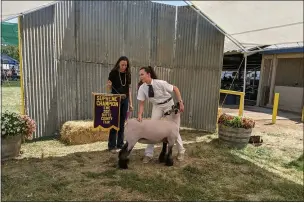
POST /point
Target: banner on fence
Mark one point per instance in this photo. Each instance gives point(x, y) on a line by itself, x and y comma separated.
point(106, 111)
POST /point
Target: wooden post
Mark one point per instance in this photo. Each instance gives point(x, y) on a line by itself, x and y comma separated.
point(275, 107)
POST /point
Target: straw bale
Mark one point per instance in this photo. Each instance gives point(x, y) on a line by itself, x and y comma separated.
point(81, 132)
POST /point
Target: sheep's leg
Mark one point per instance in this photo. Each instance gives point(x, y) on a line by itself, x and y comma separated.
point(162, 155)
point(123, 154)
point(169, 159)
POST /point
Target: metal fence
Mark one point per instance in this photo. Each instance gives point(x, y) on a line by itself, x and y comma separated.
point(69, 49)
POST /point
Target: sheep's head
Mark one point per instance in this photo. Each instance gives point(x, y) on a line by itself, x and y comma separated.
point(175, 109)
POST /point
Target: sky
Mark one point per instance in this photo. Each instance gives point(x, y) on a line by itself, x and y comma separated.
point(174, 3)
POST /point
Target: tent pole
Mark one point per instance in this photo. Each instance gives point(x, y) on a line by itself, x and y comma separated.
point(245, 66)
point(244, 86)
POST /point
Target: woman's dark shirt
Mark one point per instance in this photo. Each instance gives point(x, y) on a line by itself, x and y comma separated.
point(118, 84)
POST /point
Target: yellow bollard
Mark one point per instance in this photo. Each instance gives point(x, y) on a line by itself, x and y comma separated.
point(241, 106)
point(303, 114)
point(275, 107)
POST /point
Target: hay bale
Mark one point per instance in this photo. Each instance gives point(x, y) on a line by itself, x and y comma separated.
point(81, 132)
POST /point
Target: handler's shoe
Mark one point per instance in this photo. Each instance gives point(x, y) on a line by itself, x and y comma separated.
point(147, 159)
point(114, 151)
point(180, 156)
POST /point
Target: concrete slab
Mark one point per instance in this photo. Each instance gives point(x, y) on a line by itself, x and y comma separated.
point(259, 113)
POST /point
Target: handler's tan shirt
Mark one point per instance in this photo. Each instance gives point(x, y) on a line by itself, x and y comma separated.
point(162, 91)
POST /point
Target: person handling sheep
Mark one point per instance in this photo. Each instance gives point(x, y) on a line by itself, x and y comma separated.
point(158, 92)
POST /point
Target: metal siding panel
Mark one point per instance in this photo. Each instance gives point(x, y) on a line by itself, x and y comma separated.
point(37, 29)
point(137, 27)
point(75, 60)
point(162, 31)
point(198, 49)
point(100, 31)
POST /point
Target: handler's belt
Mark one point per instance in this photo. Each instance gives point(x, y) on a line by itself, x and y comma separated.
point(165, 101)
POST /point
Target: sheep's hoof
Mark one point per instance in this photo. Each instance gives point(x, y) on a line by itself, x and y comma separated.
point(169, 162)
point(161, 158)
point(123, 164)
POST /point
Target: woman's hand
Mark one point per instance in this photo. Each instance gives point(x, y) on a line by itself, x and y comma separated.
point(131, 107)
point(109, 83)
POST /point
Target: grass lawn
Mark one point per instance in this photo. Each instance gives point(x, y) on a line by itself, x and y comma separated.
point(51, 171)
point(209, 173)
point(11, 96)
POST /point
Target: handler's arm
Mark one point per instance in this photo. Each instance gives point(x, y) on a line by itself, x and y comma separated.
point(141, 110)
point(179, 98)
point(130, 98)
point(177, 93)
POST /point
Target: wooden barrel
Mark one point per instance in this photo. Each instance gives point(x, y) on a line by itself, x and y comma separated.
point(10, 147)
point(235, 137)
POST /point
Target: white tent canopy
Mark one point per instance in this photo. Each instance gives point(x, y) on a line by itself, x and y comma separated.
point(13, 9)
point(249, 24)
point(255, 23)
point(246, 24)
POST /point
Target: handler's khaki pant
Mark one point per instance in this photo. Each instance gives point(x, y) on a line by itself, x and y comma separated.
point(157, 113)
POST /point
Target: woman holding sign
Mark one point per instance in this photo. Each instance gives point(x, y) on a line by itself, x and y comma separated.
point(158, 92)
point(119, 82)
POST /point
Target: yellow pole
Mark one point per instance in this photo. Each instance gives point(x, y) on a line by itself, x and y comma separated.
point(22, 111)
point(275, 107)
point(241, 106)
point(302, 115)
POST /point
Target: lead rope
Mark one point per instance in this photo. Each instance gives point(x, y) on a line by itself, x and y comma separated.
point(232, 82)
point(128, 112)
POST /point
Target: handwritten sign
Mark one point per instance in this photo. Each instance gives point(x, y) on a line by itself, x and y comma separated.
point(107, 111)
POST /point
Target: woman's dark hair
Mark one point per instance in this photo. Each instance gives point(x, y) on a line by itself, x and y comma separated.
point(148, 69)
point(128, 72)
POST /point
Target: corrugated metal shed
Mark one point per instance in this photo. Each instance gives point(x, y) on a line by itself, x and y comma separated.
point(70, 48)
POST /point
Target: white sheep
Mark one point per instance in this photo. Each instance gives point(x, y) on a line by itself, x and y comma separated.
point(151, 132)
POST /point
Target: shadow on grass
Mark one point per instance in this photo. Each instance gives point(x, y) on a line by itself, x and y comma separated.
point(209, 173)
point(298, 164)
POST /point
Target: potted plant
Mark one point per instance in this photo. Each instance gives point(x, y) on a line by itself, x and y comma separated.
point(14, 128)
point(235, 130)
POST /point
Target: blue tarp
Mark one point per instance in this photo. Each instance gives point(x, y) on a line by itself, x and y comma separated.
point(5, 59)
point(284, 50)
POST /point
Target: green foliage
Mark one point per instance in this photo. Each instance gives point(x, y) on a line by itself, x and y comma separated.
point(236, 121)
point(10, 50)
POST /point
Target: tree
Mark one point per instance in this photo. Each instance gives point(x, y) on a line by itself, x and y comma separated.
point(10, 50)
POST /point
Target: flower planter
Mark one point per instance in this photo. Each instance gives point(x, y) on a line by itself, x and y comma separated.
point(234, 137)
point(10, 147)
